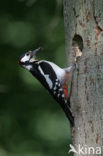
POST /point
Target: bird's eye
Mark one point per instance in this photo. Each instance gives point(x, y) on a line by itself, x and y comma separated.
point(27, 54)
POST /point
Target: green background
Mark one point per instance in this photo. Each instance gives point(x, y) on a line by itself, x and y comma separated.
point(31, 122)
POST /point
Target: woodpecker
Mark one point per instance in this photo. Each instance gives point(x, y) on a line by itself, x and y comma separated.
point(52, 77)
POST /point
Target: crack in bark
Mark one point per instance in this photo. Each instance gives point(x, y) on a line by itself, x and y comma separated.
point(88, 43)
point(98, 28)
point(88, 16)
point(75, 13)
point(82, 24)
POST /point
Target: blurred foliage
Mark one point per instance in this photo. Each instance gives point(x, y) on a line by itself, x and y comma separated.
point(31, 122)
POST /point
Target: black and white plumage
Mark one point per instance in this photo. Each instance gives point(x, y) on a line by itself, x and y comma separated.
point(52, 77)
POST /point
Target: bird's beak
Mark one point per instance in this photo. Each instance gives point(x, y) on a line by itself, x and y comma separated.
point(33, 53)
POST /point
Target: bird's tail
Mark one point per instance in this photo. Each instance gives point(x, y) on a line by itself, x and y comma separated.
point(68, 112)
point(69, 115)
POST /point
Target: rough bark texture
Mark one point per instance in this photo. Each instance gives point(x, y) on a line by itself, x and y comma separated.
point(85, 18)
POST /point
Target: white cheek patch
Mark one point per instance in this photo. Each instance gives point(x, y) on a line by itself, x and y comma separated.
point(25, 58)
point(49, 82)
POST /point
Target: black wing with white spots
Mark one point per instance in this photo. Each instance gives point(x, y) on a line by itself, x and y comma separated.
point(53, 85)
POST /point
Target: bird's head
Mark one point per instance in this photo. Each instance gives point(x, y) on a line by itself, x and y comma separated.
point(28, 58)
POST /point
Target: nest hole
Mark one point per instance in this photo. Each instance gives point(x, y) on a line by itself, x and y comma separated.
point(77, 46)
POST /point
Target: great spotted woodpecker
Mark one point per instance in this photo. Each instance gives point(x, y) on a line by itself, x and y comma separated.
point(52, 77)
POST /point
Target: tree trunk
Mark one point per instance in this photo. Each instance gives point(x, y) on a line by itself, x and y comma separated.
point(84, 26)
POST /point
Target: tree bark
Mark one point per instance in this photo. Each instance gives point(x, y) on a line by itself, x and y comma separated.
point(84, 25)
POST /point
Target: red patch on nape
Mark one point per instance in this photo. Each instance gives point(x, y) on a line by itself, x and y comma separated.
point(65, 91)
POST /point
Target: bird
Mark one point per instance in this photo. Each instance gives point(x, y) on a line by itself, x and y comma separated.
point(52, 77)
